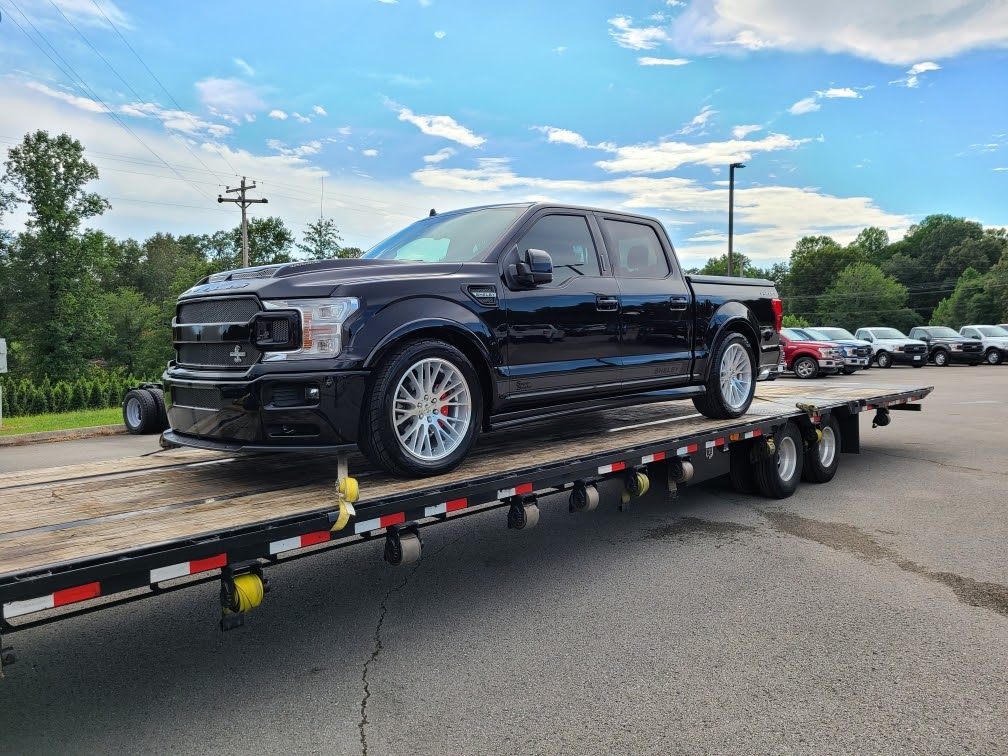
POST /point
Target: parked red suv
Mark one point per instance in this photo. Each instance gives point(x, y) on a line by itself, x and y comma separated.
point(810, 359)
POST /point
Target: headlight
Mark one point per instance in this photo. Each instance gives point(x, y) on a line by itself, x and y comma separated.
point(899, 348)
point(827, 351)
point(316, 327)
point(849, 351)
point(957, 347)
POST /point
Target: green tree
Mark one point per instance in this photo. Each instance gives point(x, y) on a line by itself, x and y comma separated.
point(816, 261)
point(862, 296)
point(323, 242)
point(52, 273)
point(793, 321)
point(975, 300)
point(137, 338)
point(269, 242)
point(872, 244)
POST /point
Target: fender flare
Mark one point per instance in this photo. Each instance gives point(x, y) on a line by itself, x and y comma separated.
point(732, 317)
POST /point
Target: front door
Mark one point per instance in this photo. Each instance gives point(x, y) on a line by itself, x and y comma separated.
point(563, 337)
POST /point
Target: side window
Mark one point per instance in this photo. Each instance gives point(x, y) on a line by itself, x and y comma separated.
point(569, 242)
point(637, 251)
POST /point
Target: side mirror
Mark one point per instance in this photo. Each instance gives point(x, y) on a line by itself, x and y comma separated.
point(535, 269)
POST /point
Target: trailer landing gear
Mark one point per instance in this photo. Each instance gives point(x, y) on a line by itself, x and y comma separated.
point(584, 497)
point(242, 590)
point(402, 546)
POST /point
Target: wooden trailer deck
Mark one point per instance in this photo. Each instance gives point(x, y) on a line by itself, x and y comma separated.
point(66, 515)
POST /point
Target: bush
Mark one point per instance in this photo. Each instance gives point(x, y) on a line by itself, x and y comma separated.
point(22, 397)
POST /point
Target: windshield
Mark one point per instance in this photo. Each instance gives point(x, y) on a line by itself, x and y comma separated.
point(992, 330)
point(816, 335)
point(835, 333)
point(456, 237)
point(943, 333)
point(887, 333)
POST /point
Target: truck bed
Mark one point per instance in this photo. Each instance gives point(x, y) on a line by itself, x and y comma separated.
point(118, 525)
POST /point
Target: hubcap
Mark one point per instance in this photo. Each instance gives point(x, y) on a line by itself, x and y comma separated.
point(940, 358)
point(736, 376)
point(787, 458)
point(432, 409)
point(133, 412)
point(804, 368)
point(827, 447)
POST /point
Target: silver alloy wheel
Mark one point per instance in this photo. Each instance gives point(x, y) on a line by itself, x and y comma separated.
point(133, 412)
point(805, 368)
point(827, 447)
point(787, 458)
point(993, 357)
point(736, 376)
point(431, 409)
point(940, 358)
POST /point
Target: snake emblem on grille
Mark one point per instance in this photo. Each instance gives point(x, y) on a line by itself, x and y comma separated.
point(237, 354)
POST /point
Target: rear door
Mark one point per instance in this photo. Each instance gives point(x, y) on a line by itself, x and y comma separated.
point(655, 302)
point(563, 337)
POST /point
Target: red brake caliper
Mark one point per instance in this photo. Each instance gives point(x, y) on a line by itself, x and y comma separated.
point(444, 411)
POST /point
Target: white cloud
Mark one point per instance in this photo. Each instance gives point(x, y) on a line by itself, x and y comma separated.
point(370, 153)
point(300, 118)
point(344, 130)
point(912, 79)
point(319, 110)
point(304, 150)
point(560, 50)
point(890, 32)
point(668, 156)
point(245, 67)
point(229, 97)
point(442, 126)
point(278, 114)
point(633, 38)
point(807, 105)
point(562, 136)
point(85, 11)
point(845, 92)
point(440, 156)
point(699, 121)
point(662, 61)
point(440, 34)
point(741, 132)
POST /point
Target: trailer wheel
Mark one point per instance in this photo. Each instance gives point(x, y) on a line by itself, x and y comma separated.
point(884, 360)
point(823, 459)
point(741, 472)
point(140, 413)
point(423, 410)
point(731, 382)
point(778, 476)
point(158, 395)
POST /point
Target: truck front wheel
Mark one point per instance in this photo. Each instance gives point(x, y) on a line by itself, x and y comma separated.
point(730, 381)
point(423, 411)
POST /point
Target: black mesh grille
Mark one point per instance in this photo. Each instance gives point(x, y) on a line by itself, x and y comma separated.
point(197, 397)
point(217, 355)
point(972, 347)
point(231, 310)
point(862, 351)
point(281, 331)
point(914, 349)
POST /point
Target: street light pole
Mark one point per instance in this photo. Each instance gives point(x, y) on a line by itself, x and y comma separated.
point(731, 209)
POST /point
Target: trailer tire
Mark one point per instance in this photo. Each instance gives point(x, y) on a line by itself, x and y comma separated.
point(401, 447)
point(158, 395)
point(823, 459)
point(741, 472)
point(778, 476)
point(731, 380)
point(140, 412)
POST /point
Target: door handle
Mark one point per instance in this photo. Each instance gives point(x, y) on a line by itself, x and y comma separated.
point(606, 304)
point(678, 303)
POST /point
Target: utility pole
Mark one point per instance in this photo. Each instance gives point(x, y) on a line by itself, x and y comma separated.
point(243, 203)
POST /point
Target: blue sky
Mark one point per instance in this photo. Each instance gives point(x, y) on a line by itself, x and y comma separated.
point(846, 114)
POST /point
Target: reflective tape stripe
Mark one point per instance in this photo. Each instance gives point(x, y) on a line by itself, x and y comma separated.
point(385, 521)
point(715, 442)
point(614, 467)
point(187, 568)
point(299, 542)
point(682, 451)
point(656, 457)
point(445, 507)
point(506, 493)
point(753, 433)
point(51, 601)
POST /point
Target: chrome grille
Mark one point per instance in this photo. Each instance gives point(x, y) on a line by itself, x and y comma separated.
point(973, 347)
point(914, 349)
point(197, 397)
point(217, 355)
point(229, 310)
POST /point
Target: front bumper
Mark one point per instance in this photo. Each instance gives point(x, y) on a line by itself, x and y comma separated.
point(902, 358)
point(292, 411)
point(855, 361)
point(966, 358)
point(830, 363)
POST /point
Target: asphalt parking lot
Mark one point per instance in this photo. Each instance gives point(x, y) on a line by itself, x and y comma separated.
point(869, 615)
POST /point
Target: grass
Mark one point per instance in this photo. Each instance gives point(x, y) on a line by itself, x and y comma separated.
point(60, 421)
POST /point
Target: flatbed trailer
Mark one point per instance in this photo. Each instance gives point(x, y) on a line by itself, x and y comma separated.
point(80, 538)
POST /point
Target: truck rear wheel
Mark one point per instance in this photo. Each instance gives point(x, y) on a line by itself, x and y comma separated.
point(140, 412)
point(731, 382)
point(423, 410)
point(158, 394)
point(778, 475)
point(823, 459)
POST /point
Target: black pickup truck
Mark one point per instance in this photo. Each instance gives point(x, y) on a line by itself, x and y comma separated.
point(464, 321)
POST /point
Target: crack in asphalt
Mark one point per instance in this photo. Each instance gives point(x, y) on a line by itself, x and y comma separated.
point(379, 646)
point(939, 463)
point(844, 537)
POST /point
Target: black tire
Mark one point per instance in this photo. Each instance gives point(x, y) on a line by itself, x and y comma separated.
point(993, 357)
point(823, 459)
point(379, 437)
point(918, 364)
point(778, 476)
point(805, 367)
point(158, 395)
point(883, 360)
point(140, 413)
point(741, 474)
point(714, 404)
point(849, 370)
point(941, 358)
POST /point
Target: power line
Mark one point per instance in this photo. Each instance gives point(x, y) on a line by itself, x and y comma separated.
point(83, 87)
point(165, 89)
